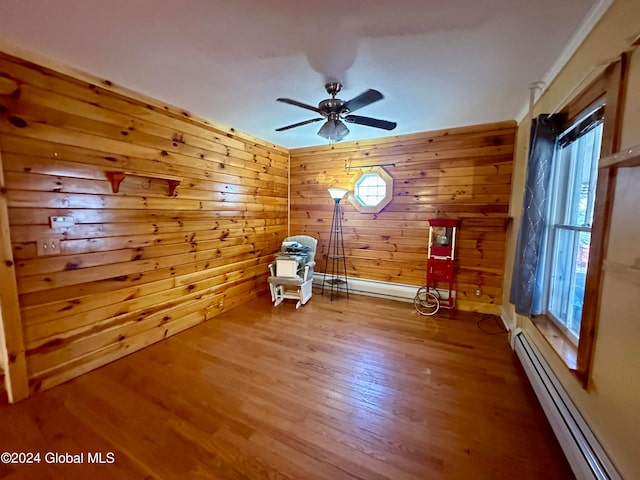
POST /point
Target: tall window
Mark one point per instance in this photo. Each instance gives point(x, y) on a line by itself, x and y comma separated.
point(574, 176)
point(558, 263)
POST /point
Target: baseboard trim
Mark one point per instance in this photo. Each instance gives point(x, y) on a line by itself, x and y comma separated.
point(506, 320)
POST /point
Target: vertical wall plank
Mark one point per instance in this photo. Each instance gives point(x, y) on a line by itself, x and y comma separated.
point(12, 350)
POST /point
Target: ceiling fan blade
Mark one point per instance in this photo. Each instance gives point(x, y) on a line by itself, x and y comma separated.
point(371, 122)
point(298, 104)
point(299, 124)
point(362, 100)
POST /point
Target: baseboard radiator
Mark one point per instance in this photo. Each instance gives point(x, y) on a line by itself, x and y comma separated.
point(584, 453)
point(374, 288)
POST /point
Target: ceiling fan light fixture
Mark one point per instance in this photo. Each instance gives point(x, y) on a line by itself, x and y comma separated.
point(333, 130)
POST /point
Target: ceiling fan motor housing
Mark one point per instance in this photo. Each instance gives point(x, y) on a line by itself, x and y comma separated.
point(331, 105)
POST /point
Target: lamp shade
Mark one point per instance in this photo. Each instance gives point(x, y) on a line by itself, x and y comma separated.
point(337, 193)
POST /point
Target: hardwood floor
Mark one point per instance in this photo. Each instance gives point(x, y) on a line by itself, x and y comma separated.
point(361, 388)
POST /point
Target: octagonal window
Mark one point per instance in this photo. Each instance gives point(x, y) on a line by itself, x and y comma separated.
point(372, 191)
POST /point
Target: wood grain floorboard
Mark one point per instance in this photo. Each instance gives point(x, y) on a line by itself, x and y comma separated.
point(354, 389)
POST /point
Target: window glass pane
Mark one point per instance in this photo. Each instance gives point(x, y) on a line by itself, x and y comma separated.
point(582, 261)
point(370, 189)
point(575, 175)
point(596, 137)
point(562, 184)
point(561, 275)
point(574, 181)
point(568, 277)
point(585, 152)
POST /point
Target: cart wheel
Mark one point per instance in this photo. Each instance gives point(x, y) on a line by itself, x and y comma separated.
point(426, 303)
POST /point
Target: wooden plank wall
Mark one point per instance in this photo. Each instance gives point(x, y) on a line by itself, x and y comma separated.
point(460, 173)
point(138, 265)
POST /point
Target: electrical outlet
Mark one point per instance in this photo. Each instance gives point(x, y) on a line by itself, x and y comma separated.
point(48, 246)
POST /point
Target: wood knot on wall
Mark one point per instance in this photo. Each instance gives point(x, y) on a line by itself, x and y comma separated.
point(17, 121)
point(9, 86)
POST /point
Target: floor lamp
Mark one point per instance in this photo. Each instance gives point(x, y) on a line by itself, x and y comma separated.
point(335, 270)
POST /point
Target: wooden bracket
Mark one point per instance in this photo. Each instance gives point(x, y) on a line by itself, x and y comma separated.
point(116, 179)
point(172, 186)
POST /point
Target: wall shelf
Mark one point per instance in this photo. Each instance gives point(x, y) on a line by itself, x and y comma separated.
point(116, 179)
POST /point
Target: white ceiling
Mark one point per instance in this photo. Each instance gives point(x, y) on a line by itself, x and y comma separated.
point(439, 63)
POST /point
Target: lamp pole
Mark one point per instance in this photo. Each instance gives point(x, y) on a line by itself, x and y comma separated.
point(336, 264)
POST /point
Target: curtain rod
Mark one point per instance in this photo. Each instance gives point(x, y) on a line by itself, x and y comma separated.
point(349, 167)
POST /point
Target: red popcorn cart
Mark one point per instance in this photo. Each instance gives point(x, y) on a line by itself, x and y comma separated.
point(440, 268)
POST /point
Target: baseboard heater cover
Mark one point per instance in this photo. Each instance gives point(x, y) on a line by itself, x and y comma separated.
point(583, 451)
point(374, 288)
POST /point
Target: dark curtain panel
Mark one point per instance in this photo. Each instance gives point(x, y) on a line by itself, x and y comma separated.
point(526, 281)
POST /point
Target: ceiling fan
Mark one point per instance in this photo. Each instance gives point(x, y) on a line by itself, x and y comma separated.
point(334, 111)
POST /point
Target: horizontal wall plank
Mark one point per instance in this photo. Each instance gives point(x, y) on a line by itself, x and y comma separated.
point(416, 141)
point(71, 303)
point(92, 92)
point(141, 186)
point(66, 263)
point(78, 366)
point(46, 334)
point(212, 219)
point(65, 160)
point(38, 97)
point(32, 199)
point(56, 134)
point(76, 276)
point(39, 361)
point(173, 144)
point(115, 284)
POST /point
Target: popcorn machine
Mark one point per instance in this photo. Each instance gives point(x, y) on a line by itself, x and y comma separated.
point(440, 268)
